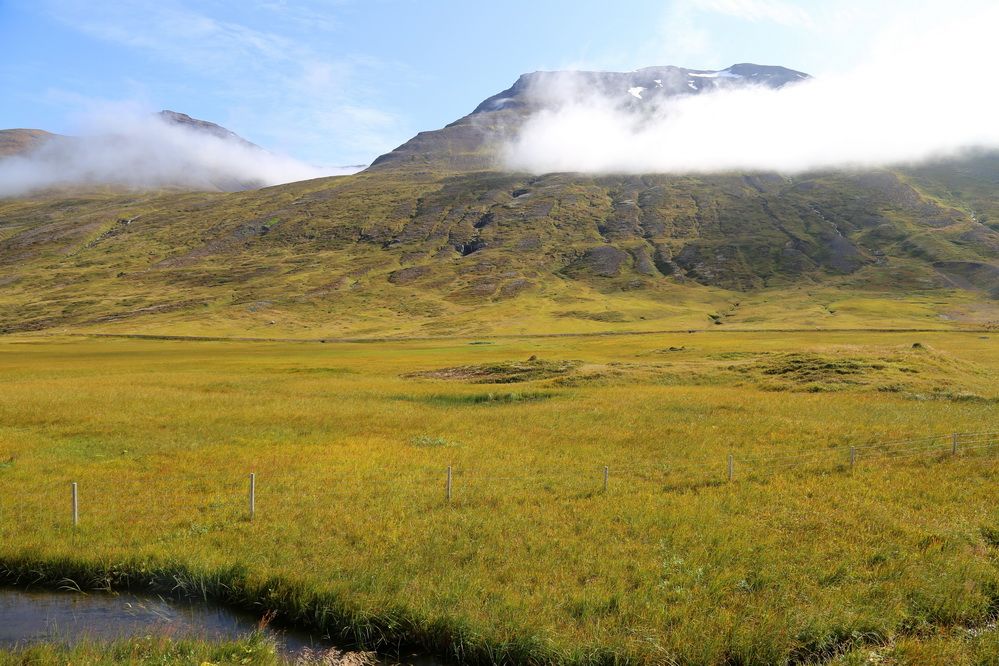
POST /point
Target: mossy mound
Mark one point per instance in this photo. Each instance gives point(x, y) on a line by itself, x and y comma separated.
point(905, 371)
point(509, 372)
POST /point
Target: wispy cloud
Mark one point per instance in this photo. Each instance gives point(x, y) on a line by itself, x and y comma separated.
point(687, 35)
point(775, 11)
point(303, 16)
point(267, 77)
point(128, 146)
point(176, 33)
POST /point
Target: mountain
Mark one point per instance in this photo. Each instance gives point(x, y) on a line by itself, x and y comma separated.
point(538, 90)
point(163, 150)
point(435, 239)
point(209, 128)
point(22, 141)
point(26, 141)
point(470, 143)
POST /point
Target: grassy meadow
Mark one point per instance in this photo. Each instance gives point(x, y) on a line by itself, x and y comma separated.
point(798, 560)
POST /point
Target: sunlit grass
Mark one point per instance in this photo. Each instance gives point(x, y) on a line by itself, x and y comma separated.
point(531, 557)
point(254, 650)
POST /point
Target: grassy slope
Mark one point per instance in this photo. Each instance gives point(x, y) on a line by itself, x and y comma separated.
point(374, 255)
point(19, 141)
point(897, 560)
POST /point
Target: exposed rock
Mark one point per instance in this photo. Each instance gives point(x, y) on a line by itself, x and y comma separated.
point(408, 275)
point(602, 261)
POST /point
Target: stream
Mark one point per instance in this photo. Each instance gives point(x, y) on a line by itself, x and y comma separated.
point(43, 616)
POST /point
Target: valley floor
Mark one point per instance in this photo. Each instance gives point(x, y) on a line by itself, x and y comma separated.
point(800, 558)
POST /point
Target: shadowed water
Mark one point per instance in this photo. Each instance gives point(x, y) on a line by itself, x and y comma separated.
point(41, 616)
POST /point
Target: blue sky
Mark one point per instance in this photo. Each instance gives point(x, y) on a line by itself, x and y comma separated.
point(341, 81)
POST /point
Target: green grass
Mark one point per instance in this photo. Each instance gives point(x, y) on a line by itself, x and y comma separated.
point(532, 561)
point(430, 442)
point(255, 650)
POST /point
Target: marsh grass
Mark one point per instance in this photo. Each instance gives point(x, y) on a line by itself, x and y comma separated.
point(508, 372)
point(430, 442)
point(463, 399)
point(532, 562)
point(254, 650)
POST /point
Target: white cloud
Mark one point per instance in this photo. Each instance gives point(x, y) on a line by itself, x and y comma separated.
point(133, 148)
point(177, 34)
point(682, 36)
point(775, 11)
point(267, 77)
point(925, 90)
point(687, 34)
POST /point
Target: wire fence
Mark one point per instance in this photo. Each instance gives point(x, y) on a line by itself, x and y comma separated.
point(293, 493)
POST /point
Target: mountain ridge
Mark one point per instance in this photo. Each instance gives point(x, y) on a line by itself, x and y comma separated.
point(471, 143)
point(19, 141)
point(437, 240)
point(167, 149)
point(210, 128)
point(668, 79)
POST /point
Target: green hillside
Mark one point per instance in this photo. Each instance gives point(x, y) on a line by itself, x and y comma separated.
point(435, 239)
point(404, 252)
point(21, 141)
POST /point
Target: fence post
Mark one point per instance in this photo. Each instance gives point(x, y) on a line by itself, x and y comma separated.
point(606, 474)
point(76, 506)
point(731, 466)
point(253, 494)
point(953, 443)
point(853, 457)
point(448, 485)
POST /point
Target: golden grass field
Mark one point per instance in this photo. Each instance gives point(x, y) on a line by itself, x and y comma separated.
point(798, 560)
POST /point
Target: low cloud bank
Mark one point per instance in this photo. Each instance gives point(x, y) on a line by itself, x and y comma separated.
point(921, 95)
point(144, 151)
